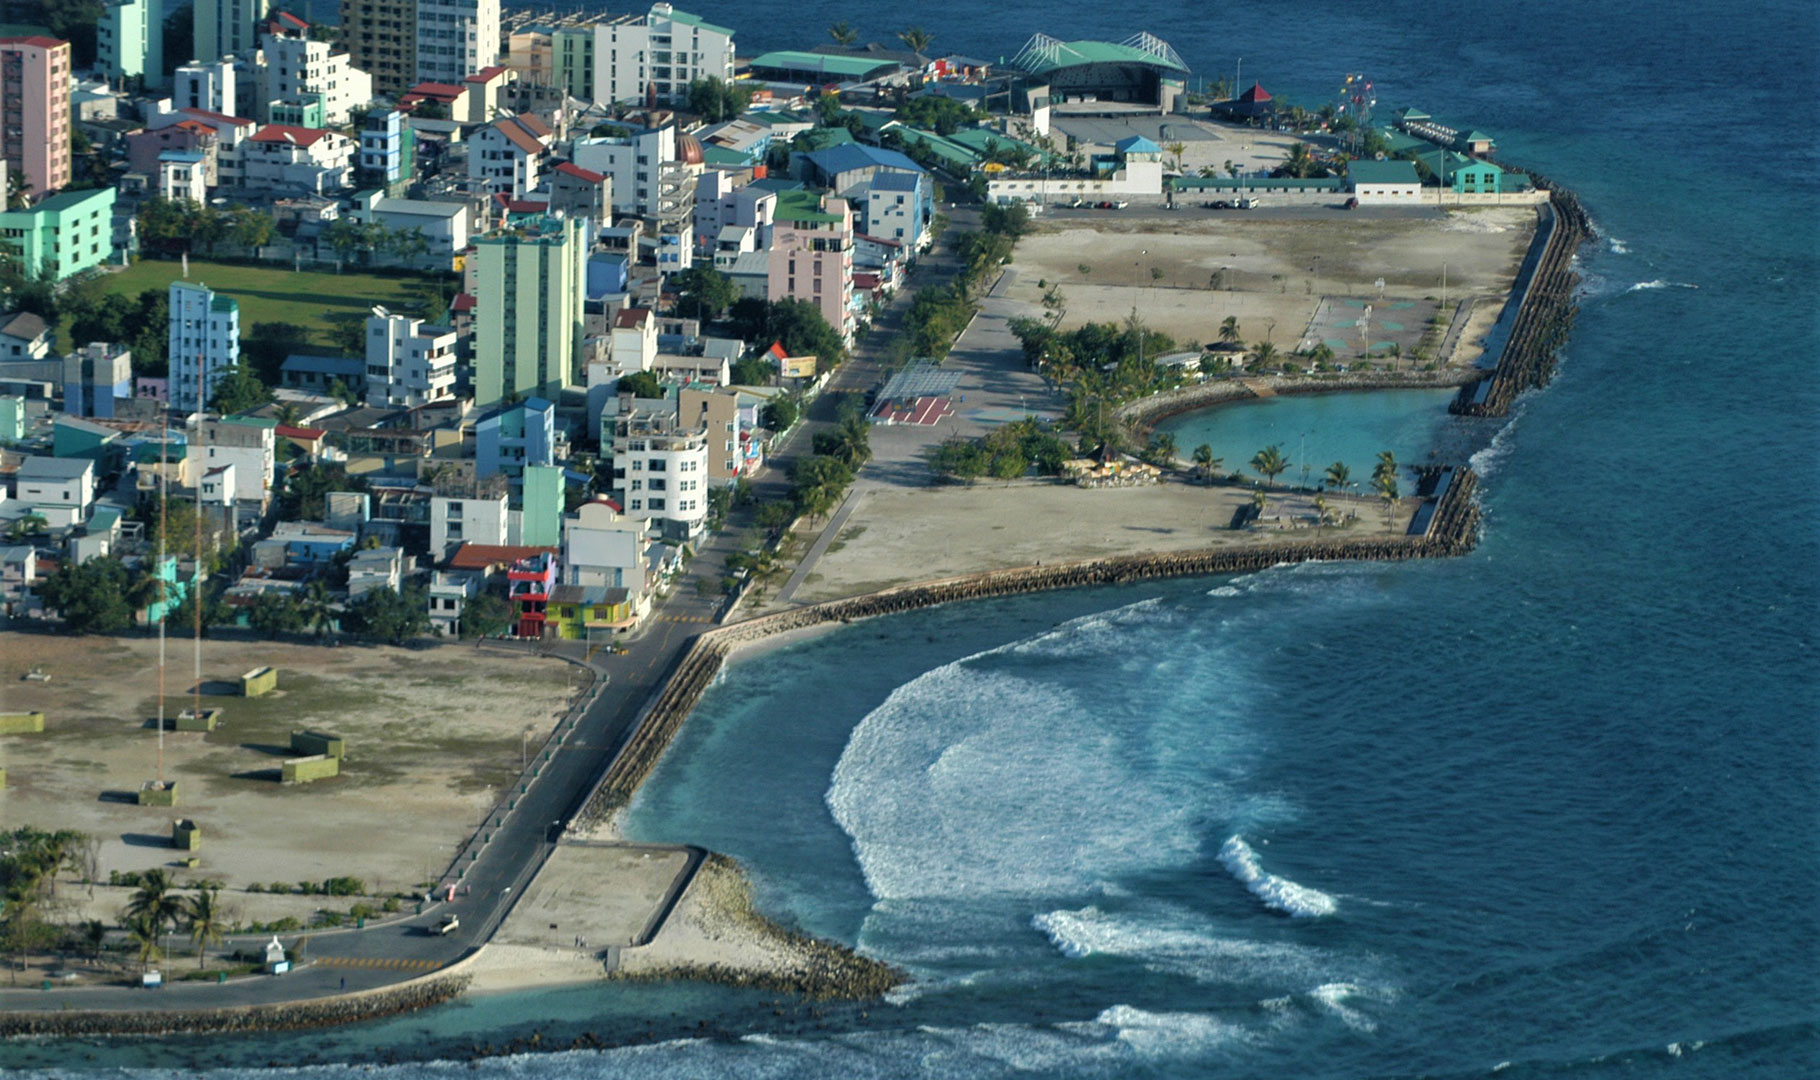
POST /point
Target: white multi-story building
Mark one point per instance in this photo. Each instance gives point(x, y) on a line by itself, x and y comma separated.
point(455, 38)
point(282, 158)
point(660, 468)
point(478, 518)
point(661, 53)
point(206, 84)
point(654, 173)
point(249, 444)
point(298, 70)
point(508, 154)
point(409, 363)
point(205, 334)
point(605, 548)
point(227, 27)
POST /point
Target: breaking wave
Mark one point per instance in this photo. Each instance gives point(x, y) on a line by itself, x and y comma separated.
point(1296, 901)
point(1641, 286)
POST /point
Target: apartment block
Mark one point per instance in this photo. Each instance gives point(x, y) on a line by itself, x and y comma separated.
point(64, 235)
point(455, 38)
point(129, 41)
point(228, 27)
point(299, 72)
point(529, 284)
point(811, 256)
point(381, 37)
point(658, 55)
point(35, 112)
point(205, 337)
point(409, 362)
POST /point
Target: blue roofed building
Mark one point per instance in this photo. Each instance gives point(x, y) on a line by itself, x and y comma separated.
point(895, 206)
point(510, 437)
point(840, 167)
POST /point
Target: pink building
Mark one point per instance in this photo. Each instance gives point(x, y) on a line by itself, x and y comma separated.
point(812, 255)
point(35, 112)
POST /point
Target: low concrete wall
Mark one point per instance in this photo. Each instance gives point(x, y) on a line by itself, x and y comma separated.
point(21, 723)
point(259, 681)
point(318, 742)
point(305, 770)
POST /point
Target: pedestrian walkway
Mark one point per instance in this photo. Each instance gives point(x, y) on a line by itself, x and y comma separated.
point(686, 618)
point(376, 962)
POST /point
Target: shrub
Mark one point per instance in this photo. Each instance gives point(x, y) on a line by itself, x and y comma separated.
point(279, 887)
point(344, 886)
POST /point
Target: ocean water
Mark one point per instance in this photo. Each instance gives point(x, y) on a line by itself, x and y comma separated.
point(1548, 810)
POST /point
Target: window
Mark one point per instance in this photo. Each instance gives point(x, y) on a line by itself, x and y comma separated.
point(657, 504)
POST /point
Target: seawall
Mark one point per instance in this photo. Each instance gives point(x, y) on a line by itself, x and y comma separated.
point(1143, 414)
point(1529, 357)
point(1453, 531)
point(279, 1016)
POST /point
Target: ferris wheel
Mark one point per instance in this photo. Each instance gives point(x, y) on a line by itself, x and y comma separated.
point(1357, 98)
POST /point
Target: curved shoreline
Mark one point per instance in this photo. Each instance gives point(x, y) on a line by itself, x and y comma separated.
point(1453, 531)
point(1142, 415)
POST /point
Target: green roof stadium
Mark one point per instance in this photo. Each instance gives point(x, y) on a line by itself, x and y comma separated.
point(1141, 73)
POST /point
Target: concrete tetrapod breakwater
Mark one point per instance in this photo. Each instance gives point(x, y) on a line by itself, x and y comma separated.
point(1529, 357)
point(283, 1016)
point(1453, 530)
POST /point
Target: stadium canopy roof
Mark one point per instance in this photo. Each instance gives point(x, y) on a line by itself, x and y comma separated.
point(1043, 54)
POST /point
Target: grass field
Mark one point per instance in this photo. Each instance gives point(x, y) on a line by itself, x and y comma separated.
point(319, 301)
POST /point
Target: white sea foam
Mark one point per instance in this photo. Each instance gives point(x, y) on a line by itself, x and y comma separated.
point(1617, 246)
point(1486, 461)
point(1187, 943)
point(1335, 997)
point(1164, 1034)
point(1660, 284)
point(1297, 901)
point(969, 781)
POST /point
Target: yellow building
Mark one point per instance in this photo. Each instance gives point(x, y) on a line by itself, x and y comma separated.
point(587, 612)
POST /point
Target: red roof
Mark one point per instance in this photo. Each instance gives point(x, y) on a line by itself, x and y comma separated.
point(288, 133)
point(36, 40)
point(1256, 93)
point(287, 17)
point(777, 351)
point(520, 134)
point(482, 556)
point(463, 302)
point(864, 280)
point(631, 318)
point(586, 175)
point(880, 240)
point(433, 91)
point(305, 433)
point(238, 121)
point(487, 74)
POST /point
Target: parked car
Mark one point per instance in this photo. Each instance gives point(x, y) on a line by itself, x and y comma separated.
point(1119, 204)
point(1217, 204)
point(1104, 204)
point(448, 925)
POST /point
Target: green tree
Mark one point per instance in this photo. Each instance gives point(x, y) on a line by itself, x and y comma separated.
point(1229, 329)
point(250, 228)
point(155, 900)
point(843, 34)
point(1386, 466)
point(206, 922)
point(275, 613)
point(109, 318)
point(90, 597)
point(849, 442)
point(317, 607)
point(1263, 355)
point(1339, 476)
point(238, 391)
point(816, 483)
point(706, 291)
point(390, 614)
point(29, 524)
point(215, 609)
point(715, 100)
point(916, 39)
point(781, 412)
point(1205, 460)
point(642, 384)
point(305, 495)
point(1269, 463)
point(1160, 451)
point(1387, 490)
point(143, 931)
point(487, 615)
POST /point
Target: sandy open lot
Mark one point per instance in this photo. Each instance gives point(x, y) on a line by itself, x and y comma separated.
point(432, 736)
point(1270, 272)
point(898, 535)
point(596, 894)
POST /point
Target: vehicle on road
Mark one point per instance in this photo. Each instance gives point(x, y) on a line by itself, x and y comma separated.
point(1120, 204)
point(1245, 204)
point(1352, 203)
point(1103, 204)
point(1217, 204)
point(448, 925)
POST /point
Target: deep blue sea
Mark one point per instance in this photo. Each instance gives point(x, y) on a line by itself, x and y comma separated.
point(1548, 810)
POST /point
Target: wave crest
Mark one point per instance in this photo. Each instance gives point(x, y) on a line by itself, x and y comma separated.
point(1296, 901)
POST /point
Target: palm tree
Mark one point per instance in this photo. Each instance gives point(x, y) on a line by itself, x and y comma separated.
point(915, 38)
point(318, 609)
point(204, 915)
point(1269, 463)
point(1161, 450)
point(1339, 474)
point(287, 413)
point(146, 589)
point(142, 931)
point(155, 901)
point(1320, 508)
point(28, 525)
point(1387, 490)
point(1300, 163)
point(1262, 354)
point(1386, 466)
point(843, 34)
point(1229, 328)
point(94, 934)
point(1203, 457)
point(1259, 499)
point(1176, 150)
point(1396, 353)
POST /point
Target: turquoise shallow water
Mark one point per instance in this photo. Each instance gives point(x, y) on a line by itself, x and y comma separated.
point(1545, 811)
point(1315, 430)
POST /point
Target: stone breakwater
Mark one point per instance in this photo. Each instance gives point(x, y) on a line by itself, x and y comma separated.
point(806, 967)
point(1453, 531)
point(285, 1016)
point(1141, 415)
point(1530, 356)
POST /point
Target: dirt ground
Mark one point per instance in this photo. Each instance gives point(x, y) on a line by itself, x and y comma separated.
point(899, 535)
point(431, 737)
point(1187, 274)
